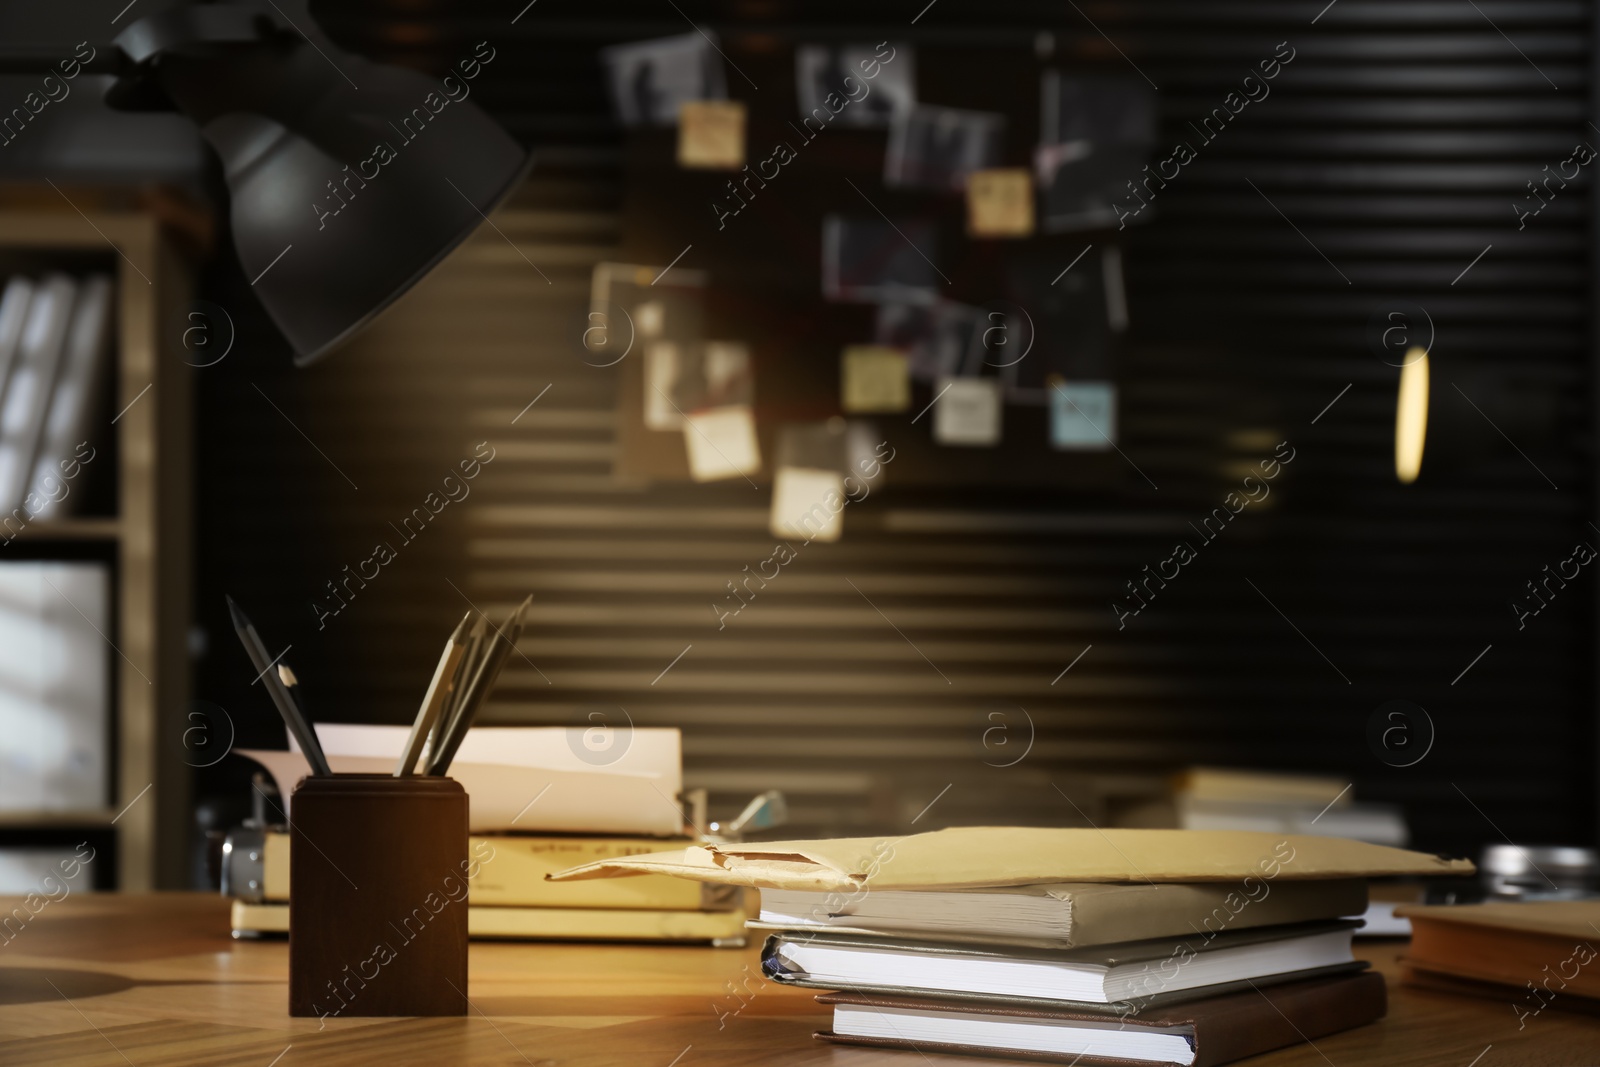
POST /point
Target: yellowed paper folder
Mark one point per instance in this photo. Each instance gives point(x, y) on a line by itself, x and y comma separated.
point(973, 856)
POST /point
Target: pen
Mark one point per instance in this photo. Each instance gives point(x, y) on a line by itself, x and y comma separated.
point(281, 697)
point(445, 679)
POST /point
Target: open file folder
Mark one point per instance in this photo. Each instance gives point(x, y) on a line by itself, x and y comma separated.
point(1020, 855)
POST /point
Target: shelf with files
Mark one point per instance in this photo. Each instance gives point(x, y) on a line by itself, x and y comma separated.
point(66, 819)
point(134, 515)
point(86, 528)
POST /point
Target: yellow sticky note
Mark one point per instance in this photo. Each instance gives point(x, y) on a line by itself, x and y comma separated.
point(711, 134)
point(1000, 202)
point(874, 378)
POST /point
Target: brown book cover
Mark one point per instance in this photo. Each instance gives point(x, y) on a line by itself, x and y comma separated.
point(1221, 1029)
point(1514, 996)
point(1550, 945)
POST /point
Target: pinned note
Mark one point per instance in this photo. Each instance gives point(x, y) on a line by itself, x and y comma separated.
point(1000, 202)
point(874, 378)
point(650, 319)
point(807, 503)
point(662, 365)
point(721, 443)
point(967, 412)
point(711, 134)
point(1083, 415)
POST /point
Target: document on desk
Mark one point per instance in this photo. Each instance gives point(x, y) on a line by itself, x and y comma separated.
point(972, 856)
point(527, 778)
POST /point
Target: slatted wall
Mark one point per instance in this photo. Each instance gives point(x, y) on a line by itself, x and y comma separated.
point(869, 679)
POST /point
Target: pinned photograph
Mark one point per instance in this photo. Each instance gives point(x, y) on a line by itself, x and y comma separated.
point(938, 147)
point(663, 365)
point(874, 378)
point(967, 412)
point(711, 134)
point(651, 80)
point(1083, 415)
point(871, 260)
point(939, 340)
point(1094, 137)
point(715, 374)
point(721, 443)
point(1000, 202)
point(870, 84)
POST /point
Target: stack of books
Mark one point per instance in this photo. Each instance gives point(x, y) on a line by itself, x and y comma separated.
point(1215, 798)
point(509, 897)
point(1090, 946)
point(540, 802)
point(1097, 971)
point(1529, 954)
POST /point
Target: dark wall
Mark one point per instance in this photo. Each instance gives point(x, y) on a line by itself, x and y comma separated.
point(1382, 168)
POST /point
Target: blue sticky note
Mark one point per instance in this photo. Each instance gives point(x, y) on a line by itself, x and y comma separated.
point(1083, 414)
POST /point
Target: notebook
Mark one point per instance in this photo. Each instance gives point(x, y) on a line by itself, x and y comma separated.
point(1103, 975)
point(1066, 914)
point(1201, 1033)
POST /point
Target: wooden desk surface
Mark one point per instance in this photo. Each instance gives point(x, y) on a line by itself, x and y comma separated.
point(155, 981)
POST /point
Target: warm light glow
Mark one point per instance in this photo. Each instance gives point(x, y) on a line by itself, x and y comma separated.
point(1411, 416)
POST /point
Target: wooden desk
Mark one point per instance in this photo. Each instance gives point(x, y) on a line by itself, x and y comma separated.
point(155, 981)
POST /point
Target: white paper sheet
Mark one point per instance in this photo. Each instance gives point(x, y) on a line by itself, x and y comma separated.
point(594, 779)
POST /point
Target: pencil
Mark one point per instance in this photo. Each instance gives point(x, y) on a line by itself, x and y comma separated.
point(292, 685)
point(483, 679)
point(293, 719)
point(439, 691)
point(471, 656)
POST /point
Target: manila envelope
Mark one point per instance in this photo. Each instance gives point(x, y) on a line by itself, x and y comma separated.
point(977, 856)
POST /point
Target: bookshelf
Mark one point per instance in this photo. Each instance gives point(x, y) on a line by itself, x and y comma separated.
point(147, 538)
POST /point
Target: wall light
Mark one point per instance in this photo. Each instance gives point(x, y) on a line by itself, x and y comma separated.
point(1411, 416)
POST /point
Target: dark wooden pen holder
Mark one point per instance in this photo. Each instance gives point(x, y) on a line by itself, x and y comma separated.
point(378, 896)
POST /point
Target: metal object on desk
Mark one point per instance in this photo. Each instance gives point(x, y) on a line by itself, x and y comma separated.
point(762, 813)
point(1539, 872)
point(244, 848)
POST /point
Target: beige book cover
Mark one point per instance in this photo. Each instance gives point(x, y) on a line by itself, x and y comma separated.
point(1076, 915)
point(973, 856)
point(1262, 787)
point(514, 874)
point(548, 924)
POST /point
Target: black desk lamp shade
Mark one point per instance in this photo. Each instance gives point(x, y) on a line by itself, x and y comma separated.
point(348, 180)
